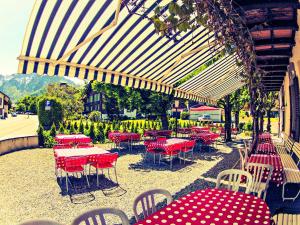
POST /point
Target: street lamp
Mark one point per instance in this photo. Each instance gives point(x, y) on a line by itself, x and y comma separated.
point(176, 104)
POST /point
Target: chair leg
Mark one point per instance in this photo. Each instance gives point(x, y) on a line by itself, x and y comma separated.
point(97, 177)
point(184, 158)
point(67, 182)
point(116, 175)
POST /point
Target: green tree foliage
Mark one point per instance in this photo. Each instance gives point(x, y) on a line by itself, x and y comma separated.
point(72, 129)
point(75, 126)
point(54, 115)
point(61, 129)
point(27, 103)
point(40, 133)
point(70, 97)
point(81, 127)
point(95, 116)
point(92, 131)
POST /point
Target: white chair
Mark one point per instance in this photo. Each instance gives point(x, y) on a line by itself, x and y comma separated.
point(286, 219)
point(40, 222)
point(260, 181)
point(243, 157)
point(147, 202)
point(234, 179)
point(96, 217)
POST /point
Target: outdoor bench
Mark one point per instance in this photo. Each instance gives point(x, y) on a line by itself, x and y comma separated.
point(286, 146)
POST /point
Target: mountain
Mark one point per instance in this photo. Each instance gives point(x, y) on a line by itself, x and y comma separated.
point(19, 85)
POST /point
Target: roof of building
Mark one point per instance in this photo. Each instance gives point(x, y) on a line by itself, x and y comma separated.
point(204, 108)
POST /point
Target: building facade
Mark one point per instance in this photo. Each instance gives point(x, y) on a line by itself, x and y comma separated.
point(4, 99)
point(93, 101)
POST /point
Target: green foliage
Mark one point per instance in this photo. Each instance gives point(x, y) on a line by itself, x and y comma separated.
point(53, 130)
point(48, 139)
point(75, 126)
point(241, 126)
point(40, 132)
point(92, 132)
point(249, 126)
point(95, 116)
point(61, 129)
point(81, 127)
point(70, 97)
point(86, 125)
point(48, 117)
point(184, 115)
point(72, 130)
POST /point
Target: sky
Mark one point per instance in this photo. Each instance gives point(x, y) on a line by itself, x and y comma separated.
point(14, 15)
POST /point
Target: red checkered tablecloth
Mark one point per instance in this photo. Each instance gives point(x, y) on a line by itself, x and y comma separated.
point(266, 148)
point(172, 144)
point(60, 154)
point(155, 133)
point(122, 137)
point(72, 138)
point(274, 160)
point(213, 207)
point(265, 138)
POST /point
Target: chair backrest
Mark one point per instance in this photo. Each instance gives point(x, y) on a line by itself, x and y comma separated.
point(40, 222)
point(105, 158)
point(190, 144)
point(75, 161)
point(243, 157)
point(234, 179)
point(96, 217)
point(296, 152)
point(66, 146)
point(161, 139)
point(147, 202)
point(288, 142)
point(261, 173)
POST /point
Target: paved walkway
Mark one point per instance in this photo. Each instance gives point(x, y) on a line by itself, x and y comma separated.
point(18, 126)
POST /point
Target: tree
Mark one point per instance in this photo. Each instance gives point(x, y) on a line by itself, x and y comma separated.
point(240, 97)
point(226, 104)
point(53, 115)
point(70, 97)
point(270, 103)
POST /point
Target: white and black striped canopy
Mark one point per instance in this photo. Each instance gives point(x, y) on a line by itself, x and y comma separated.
point(101, 40)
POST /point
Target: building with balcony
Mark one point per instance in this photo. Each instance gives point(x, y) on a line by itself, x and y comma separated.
point(4, 99)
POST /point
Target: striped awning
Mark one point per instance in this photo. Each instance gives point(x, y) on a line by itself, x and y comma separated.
point(104, 41)
point(215, 82)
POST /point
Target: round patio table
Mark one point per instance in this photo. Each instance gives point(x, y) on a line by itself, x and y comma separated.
point(213, 207)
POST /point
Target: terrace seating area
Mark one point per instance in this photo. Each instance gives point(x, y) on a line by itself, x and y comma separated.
point(209, 173)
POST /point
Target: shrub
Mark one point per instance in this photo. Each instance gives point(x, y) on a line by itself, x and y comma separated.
point(81, 127)
point(248, 126)
point(184, 115)
point(48, 117)
point(48, 139)
point(53, 130)
point(40, 134)
point(241, 126)
point(95, 116)
point(72, 130)
point(92, 132)
point(75, 126)
point(61, 129)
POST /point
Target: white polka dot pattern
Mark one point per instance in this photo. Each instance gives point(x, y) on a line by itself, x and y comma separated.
point(213, 207)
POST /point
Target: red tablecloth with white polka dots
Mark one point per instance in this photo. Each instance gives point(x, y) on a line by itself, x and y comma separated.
point(274, 160)
point(213, 207)
point(266, 148)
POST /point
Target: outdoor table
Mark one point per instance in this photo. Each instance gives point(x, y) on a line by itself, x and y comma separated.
point(172, 144)
point(155, 133)
point(265, 138)
point(200, 129)
point(213, 206)
point(266, 148)
point(60, 154)
point(122, 137)
point(207, 138)
point(72, 138)
point(184, 130)
point(274, 160)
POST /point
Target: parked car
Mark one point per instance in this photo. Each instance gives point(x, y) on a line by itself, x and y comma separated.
point(204, 117)
point(14, 114)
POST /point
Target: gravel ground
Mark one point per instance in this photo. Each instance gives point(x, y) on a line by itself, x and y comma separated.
point(30, 190)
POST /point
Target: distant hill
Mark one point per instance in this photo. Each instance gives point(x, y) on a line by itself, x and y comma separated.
point(19, 85)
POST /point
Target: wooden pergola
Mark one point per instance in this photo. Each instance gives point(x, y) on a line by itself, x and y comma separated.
point(272, 25)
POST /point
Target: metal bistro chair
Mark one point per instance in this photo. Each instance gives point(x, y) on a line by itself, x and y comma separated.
point(105, 161)
point(96, 217)
point(235, 178)
point(75, 165)
point(188, 147)
point(147, 202)
point(261, 174)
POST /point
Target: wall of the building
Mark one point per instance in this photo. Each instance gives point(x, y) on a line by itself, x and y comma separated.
point(3, 105)
point(296, 60)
